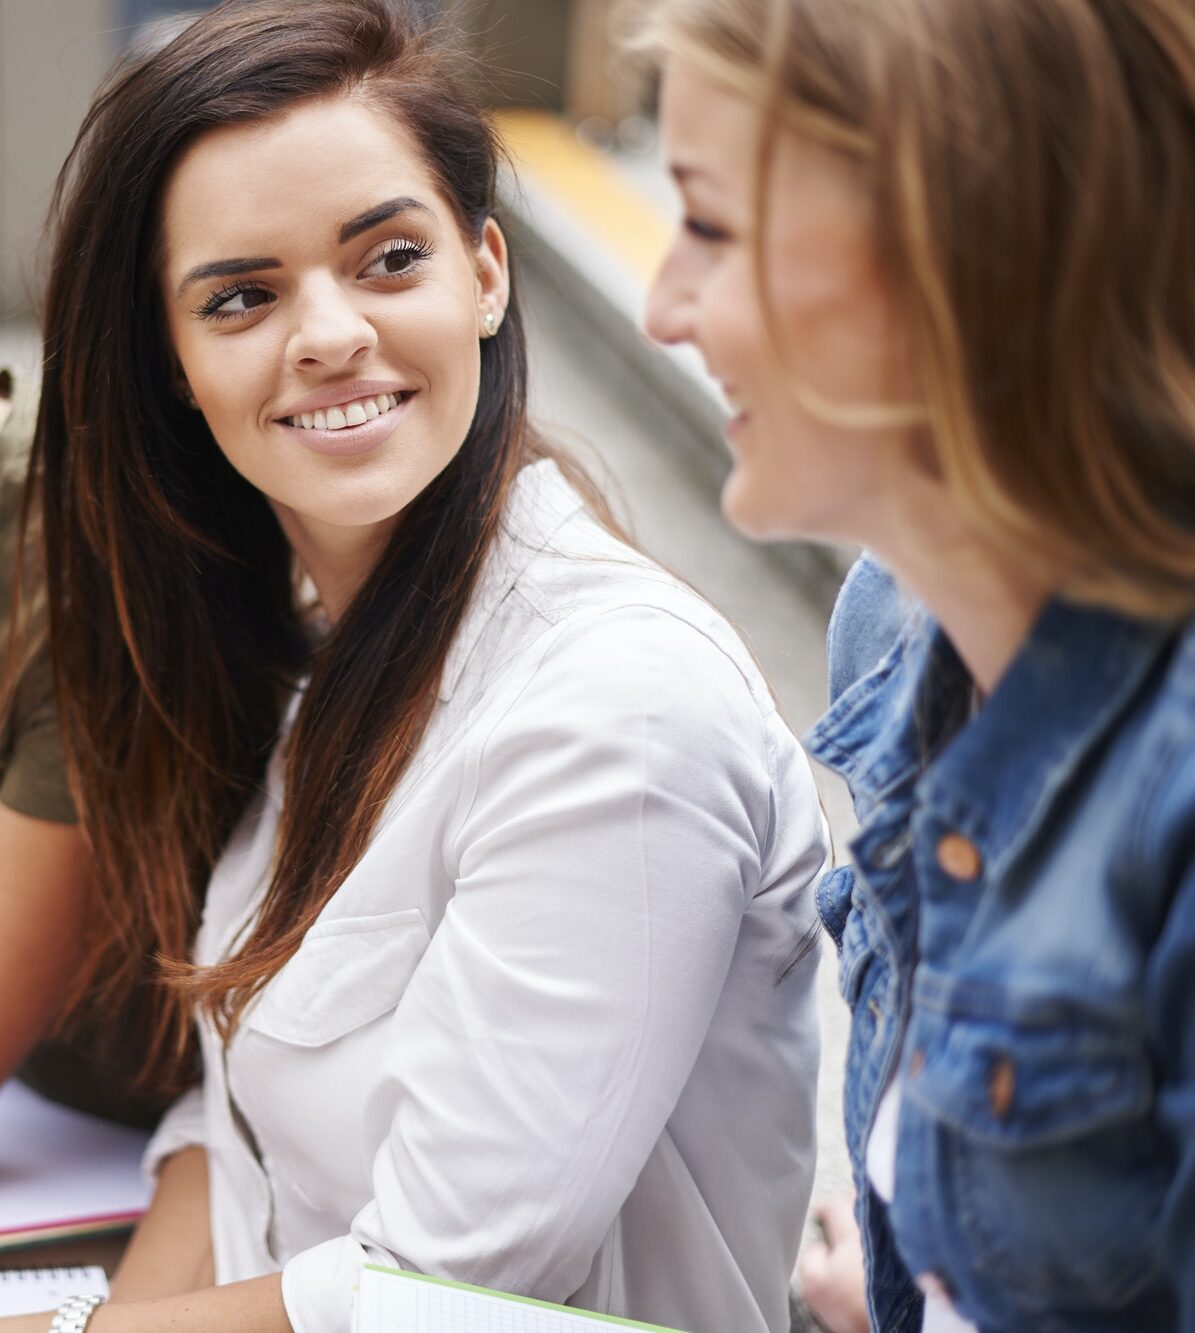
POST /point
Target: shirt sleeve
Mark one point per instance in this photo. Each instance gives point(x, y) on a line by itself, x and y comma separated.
point(610, 845)
point(183, 1126)
point(32, 767)
point(34, 778)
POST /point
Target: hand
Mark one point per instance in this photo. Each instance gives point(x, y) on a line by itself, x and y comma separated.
point(832, 1276)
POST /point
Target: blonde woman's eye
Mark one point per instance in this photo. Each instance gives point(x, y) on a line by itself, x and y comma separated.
point(397, 259)
point(705, 231)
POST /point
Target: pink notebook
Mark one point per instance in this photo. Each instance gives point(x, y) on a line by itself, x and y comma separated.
point(63, 1174)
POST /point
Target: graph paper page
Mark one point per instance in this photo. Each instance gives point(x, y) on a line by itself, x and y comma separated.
point(390, 1302)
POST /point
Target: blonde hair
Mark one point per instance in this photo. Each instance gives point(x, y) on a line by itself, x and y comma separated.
point(1032, 169)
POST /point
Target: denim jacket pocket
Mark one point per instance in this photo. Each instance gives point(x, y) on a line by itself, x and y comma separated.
point(1044, 1134)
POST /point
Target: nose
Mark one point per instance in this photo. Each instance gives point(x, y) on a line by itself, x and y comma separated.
point(668, 316)
point(330, 329)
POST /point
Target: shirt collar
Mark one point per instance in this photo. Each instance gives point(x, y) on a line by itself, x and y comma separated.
point(541, 501)
point(995, 778)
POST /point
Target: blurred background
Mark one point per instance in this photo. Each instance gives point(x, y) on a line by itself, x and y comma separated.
point(589, 209)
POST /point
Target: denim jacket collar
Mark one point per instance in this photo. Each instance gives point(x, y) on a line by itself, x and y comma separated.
point(1078, 669)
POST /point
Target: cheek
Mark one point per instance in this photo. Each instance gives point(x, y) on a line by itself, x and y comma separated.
point(438, 342)
point(232, 378)
point(734, 325)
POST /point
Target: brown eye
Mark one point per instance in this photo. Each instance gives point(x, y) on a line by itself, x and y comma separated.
point(235, 302)
point(397, 259)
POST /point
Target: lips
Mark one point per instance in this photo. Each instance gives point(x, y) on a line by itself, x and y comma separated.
point(340, 395)
point(340, 437)
point(342, 415)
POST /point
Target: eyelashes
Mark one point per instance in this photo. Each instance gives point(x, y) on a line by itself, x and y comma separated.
point(395, 262)
point(410, 254)
point(216, 305)
point(705, 231)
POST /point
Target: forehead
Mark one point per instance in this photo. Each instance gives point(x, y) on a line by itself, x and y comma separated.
point(708, 129)
point(241, 189)
point(816, 194)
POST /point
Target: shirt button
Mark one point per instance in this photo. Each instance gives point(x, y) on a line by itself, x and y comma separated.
point(959, 857)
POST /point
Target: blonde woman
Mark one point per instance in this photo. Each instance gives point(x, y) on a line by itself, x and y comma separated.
point(940, 257)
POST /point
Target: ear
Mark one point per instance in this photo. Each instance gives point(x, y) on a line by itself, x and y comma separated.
point(180, 386)
point(493, 277)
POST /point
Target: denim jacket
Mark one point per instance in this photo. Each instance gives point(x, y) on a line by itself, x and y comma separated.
point(1017, 933)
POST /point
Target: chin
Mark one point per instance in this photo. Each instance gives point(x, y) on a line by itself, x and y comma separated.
point(754, 513)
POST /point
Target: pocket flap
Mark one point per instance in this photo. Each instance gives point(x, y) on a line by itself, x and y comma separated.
point(833, 895)
point(347, 972)
point(1026, 1085)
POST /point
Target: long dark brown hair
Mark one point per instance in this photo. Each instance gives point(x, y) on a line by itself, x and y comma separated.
point(176, 639)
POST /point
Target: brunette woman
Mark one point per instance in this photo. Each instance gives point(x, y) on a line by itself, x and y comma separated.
point(504, 971)
point(940, 256)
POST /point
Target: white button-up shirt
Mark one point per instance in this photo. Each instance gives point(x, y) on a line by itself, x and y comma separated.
point(549, 1035)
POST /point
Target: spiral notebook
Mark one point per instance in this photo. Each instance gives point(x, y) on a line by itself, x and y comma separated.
point(390, 1301)
point(31, 1290)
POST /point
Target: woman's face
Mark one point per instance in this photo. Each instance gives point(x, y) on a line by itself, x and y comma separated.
point(794, 473)
point(325, 312)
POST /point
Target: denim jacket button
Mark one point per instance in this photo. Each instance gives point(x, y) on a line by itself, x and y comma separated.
point(959, 857)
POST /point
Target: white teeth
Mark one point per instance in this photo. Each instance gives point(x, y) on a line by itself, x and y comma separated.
point(355, 413)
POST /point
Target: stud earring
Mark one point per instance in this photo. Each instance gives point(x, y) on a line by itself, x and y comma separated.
point(490, 323)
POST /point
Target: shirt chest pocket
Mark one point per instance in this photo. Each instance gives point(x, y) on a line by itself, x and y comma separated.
point(1044, 1134)
point(348, 972)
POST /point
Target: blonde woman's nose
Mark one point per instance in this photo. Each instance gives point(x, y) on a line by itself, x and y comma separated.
point(667, 317)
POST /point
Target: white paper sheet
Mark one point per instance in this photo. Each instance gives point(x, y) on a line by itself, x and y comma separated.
point(61, 1166)
point(30, 1290)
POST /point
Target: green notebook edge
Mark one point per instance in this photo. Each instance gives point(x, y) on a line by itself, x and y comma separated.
point(520, 1300)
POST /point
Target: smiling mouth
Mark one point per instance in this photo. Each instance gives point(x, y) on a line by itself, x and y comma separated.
point(354, 413)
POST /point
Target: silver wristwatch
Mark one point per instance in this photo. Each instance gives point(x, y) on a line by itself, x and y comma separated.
point(74, 1314)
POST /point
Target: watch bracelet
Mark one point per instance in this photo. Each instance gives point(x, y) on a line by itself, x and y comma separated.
point(74, 1314)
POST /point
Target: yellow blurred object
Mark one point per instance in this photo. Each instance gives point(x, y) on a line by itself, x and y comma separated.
point(587, 186)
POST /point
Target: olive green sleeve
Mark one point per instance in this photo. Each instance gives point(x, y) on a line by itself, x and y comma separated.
point(32, 770)
point(33, 780)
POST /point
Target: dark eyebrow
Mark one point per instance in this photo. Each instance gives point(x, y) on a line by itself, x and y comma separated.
point(225, 268)
point(231, 268)
point(379, 213)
